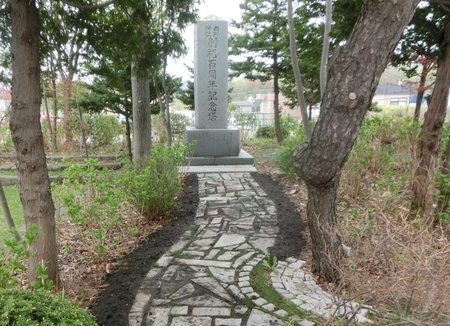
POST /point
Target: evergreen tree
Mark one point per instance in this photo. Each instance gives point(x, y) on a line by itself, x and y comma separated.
point(262, 41)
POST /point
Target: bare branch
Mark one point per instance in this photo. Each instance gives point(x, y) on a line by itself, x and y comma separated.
point(97, 6)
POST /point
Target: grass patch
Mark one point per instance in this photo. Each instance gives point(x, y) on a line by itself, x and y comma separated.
point(15, 207)
point(261, 283)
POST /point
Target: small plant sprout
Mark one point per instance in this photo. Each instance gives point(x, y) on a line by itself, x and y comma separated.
point(270, 262)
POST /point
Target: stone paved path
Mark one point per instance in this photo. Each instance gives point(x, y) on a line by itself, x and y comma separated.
point(204, 278)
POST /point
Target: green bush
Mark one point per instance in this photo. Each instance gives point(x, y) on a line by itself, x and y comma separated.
point(28, 308)
point(153, 188)
point(266, 132)
point(102, 129)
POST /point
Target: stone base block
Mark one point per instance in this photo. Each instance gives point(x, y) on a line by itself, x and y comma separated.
point(214, 142)
point(243, 158)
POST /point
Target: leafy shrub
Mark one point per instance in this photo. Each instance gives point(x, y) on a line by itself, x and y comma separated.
point(154, 187)
point(102, 129)
point(93, 200)
point(30, 308)
point(266, 132)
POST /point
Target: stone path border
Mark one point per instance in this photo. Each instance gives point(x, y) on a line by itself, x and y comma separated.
point(204, 278)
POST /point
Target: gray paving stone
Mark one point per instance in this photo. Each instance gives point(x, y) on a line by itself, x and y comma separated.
point(201, 243)
point(228, 321)
point(193, 253)
point(247, 290)
point(163, 261)
point(191, 321)
point(269, 307)
point(228, 255)
point(212, 253)
point(207, 263)
point(259, 318)
point(262, 244)
point(182, 292)
point(240, 309)
point(205, 300)
point(260, 302)
point(236, 292)
point(241, 260)
point(281, 313)
point(211, 311)
point(158, 316)
point(179, 310)
point(227, 240)
point(214, 286)
point(306, 322)
point(224, 275)
point(160, 302)
point(169, 272)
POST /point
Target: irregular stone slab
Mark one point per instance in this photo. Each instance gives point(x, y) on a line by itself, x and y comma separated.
point(208, 263)
point(262, 244)
point(229, 255)
point(228, 321)
point(259, 318)
point(205, 300)
point(214, 286)
point(227, 240)
point(202, 243)
point(191, 321)
point(179, 310)
point(184, 291)
point(224, 275)
point(158, 316)
point(211, 311)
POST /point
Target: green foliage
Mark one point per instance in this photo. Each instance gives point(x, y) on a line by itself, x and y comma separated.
point(5, 138)
point(153, 188)
point(40, 308)
point(15, 207)
point(93, 199)
point(266, 132)
point(270, 262)
point(102, 129)
point(13, 256)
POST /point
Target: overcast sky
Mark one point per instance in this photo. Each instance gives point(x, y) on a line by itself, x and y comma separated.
point(221, 9)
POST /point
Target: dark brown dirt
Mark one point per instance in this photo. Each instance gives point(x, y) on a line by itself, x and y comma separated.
point(114, 303)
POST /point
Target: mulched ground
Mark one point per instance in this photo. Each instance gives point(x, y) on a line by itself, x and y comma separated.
point(113, 304)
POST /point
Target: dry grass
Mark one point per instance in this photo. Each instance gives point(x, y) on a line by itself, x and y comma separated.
point(398, 266)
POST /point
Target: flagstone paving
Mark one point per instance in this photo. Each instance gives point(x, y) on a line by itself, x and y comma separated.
point(204, 278)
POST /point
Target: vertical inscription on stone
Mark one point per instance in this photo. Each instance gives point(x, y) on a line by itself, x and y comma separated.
point(211, 74)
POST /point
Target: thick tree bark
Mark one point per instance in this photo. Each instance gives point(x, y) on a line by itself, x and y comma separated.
point(430, 135)
point(142, 115)
point(34, 183)
point(353, 75)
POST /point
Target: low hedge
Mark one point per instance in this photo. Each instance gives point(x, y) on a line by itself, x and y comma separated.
point(20, 307)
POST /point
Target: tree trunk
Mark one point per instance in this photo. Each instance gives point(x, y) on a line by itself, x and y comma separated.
point(429, 139)
point(276, 110)
point(142, 115)
point(353, 75)
point(420, 92)
point(68, 119)
point(325, 47)
point(297, 74)
point(128, 132)
point(444, 187)
point(55, 107)
point(33, 179)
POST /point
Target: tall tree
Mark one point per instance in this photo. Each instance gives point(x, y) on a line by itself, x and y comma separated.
point(430, 135)
point(353, 75)
point(263, 38)
point(325, 47)
point(33, 179)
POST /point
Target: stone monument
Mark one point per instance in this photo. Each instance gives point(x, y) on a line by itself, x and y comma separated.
point(217, 143)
